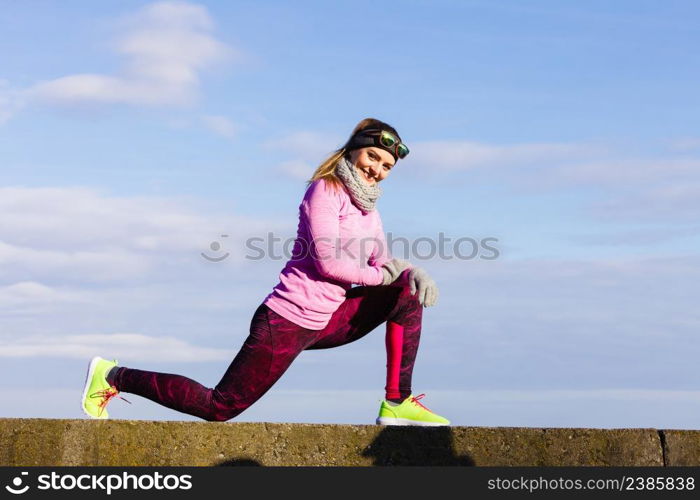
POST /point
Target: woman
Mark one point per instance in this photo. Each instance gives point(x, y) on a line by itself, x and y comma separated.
point(340, 242)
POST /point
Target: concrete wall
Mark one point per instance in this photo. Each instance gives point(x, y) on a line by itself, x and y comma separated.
point(47, 442)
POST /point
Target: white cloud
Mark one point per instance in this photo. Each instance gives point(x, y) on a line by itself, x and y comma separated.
point(611, 184)
point(620, 270)
point(685, 144)
point(166, 46)
point(220, 125)
point(83, 218)
point(306, 150)
point(624, 186)
point(624, 172)
point(645, 190)
point(468, 155)
point(676, 203)
point(126, 346)
point(635, 237)
point(81, 233)
point(629, 299)
point(11, 101)
point(298, 169)
point(77, 259)
point(30, 296)
point(92, 265)
point(307, 145)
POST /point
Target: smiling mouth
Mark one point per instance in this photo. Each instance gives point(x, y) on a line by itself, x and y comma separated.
point(367, 178)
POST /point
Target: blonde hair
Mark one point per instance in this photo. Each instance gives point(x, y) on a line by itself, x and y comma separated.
point(327, 168)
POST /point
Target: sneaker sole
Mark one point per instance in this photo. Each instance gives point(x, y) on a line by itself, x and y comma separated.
point(406, 421)
point(88, 378)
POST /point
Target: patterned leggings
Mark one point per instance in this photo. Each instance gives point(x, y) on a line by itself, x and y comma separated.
point(273, 344)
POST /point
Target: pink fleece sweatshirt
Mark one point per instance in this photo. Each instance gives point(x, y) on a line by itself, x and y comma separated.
point(337, 245)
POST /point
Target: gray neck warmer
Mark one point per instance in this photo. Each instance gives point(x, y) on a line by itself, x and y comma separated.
point(362, 194)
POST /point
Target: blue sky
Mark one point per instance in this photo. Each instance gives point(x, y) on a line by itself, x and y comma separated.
point(134, 134)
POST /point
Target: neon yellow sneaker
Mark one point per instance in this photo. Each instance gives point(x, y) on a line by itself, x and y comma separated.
point(409, 412)
point(97, 392)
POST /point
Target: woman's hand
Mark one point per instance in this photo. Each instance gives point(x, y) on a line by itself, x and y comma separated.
point(418, 279)
point(393, 269)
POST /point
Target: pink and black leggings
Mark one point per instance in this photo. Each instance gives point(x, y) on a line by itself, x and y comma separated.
point(273, 344)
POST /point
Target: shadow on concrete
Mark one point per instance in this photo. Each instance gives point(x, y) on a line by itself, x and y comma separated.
point(239, 462)
point(411, 445)
point(394, 445)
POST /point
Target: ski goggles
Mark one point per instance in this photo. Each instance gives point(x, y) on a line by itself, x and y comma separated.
point(381, 139)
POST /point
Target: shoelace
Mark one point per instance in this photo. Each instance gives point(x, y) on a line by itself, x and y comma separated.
point(106, 395)
point(415, 399)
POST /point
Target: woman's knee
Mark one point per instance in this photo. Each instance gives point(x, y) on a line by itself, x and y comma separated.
point(406, 296)
point(223, 415)
point(225, 407)
point(217, 417)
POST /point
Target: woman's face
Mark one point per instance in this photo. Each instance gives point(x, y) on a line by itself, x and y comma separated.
point(373, 163)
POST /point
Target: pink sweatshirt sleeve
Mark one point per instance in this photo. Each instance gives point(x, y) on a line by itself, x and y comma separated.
point(380, 253)
point(321, 208)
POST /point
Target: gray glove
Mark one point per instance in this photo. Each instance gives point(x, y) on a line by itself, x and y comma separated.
point(393, 269)
point(418, 279)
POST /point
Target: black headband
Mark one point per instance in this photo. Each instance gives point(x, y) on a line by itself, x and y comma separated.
point(364, 139)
